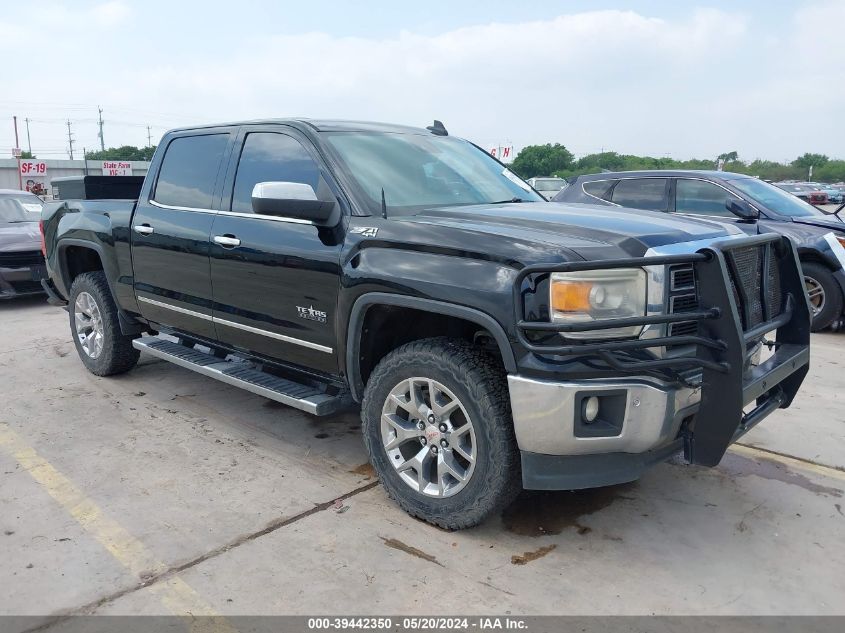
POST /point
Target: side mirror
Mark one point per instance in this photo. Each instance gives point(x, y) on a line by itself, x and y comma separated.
point(742, 209)
point(291, 200)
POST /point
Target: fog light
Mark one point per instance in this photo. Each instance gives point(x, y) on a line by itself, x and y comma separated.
point(591, 409)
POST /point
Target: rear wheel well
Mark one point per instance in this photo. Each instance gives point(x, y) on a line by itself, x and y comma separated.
point(78, 260)
point(386, 327)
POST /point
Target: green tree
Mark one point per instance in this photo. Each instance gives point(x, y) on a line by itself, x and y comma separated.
point(831, 171)
point(28, 155)
point(125, 152)
point(810, 160)
point(542, 160)
point(729, 157)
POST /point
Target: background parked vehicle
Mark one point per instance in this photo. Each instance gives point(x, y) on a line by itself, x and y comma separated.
point(834, 194)
point(807, 193)
point(548, 187)
point(754, 206)
point(21, 260)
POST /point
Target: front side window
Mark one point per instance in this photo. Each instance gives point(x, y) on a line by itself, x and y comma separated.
point(271, 157)
point(189, 171)
point(700, 197)
point(420, 171)
point(642, 193)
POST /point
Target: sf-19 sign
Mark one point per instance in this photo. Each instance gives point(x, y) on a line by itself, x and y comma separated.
point(33, 168)
point(117, 168)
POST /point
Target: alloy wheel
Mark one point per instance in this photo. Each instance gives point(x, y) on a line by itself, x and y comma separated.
point(429, 437)
point(815, 292)
point(89, 324)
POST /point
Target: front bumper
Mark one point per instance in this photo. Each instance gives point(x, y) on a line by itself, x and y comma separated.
point(648, 419)
point(21, 281)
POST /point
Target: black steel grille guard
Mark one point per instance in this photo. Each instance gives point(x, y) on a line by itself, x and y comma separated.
point(721, 344)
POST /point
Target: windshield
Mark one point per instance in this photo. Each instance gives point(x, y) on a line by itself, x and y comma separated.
point(549, 184)
point(22, 208)
point(776, 199)
point(418, 171)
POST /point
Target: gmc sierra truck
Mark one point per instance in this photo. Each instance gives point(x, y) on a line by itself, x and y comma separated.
point(493, 340)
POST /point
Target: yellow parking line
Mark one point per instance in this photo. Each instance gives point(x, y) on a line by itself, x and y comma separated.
point(174, 593)
point(792, 462)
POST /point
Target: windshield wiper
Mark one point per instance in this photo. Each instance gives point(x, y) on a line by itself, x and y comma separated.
point(507, 201)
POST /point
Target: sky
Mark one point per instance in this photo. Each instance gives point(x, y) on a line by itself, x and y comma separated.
point(679, 79)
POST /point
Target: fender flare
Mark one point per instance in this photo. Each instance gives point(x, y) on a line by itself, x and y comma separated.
point(364, 302)
point(128, 325)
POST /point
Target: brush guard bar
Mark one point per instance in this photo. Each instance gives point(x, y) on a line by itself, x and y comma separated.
point(728, 383)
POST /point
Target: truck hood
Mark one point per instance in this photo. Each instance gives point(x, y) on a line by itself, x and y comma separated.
point(591, 231)
point(23, 236)
point(830, 222)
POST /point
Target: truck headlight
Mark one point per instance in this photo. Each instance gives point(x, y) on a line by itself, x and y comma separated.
point(596, 295)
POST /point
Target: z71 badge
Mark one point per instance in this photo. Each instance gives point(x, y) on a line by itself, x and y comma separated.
point(311, 314)
point(366, 231)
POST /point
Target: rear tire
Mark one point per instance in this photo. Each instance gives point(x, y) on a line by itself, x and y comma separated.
point(824, 294)
point(101, 346)
point(475, 469)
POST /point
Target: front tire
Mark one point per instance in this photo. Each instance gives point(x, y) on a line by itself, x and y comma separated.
point(101, 346)
point(437, 424)
point(824, 294)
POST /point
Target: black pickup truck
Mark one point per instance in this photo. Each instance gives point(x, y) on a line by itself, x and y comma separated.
point(492, 340)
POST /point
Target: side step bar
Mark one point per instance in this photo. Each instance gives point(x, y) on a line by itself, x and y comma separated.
point(299, 396)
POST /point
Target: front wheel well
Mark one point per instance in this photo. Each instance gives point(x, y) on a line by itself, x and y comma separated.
point(387, 327)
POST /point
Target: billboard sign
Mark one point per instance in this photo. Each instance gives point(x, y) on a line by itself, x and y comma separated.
point(117, 168)
point(503, 152)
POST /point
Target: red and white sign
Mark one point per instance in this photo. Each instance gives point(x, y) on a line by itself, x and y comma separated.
point(33, 176)
point(33, 168)
point(503, 153)
point(117, 168)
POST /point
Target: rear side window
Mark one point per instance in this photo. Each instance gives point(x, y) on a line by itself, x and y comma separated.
point(599, 188)
point(642, 193)
point(269, 157)
point(189, 171)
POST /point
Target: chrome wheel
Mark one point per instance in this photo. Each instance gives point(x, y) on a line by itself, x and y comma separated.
point(815, 293)
point(428, 437)
point(89, 324)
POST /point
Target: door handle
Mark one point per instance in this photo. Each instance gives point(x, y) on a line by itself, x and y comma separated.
point(226, 241)
point(144, 229)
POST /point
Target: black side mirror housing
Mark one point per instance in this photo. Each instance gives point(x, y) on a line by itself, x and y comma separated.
point(743, 209)
point(293, 200)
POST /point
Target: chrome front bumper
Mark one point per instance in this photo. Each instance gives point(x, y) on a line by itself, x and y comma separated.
point(547, 418)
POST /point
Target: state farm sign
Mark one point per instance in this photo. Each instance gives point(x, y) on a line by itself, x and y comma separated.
point(117, 168)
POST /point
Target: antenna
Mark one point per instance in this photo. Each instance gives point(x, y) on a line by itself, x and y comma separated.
point(383, 205)
point(437, 129)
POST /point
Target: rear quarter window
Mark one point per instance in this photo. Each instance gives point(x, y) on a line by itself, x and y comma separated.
point(599, 188)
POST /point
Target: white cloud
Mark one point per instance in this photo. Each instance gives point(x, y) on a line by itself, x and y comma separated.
point(696, 85)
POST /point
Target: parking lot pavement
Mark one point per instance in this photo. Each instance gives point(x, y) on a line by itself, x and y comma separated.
point(162, 491)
